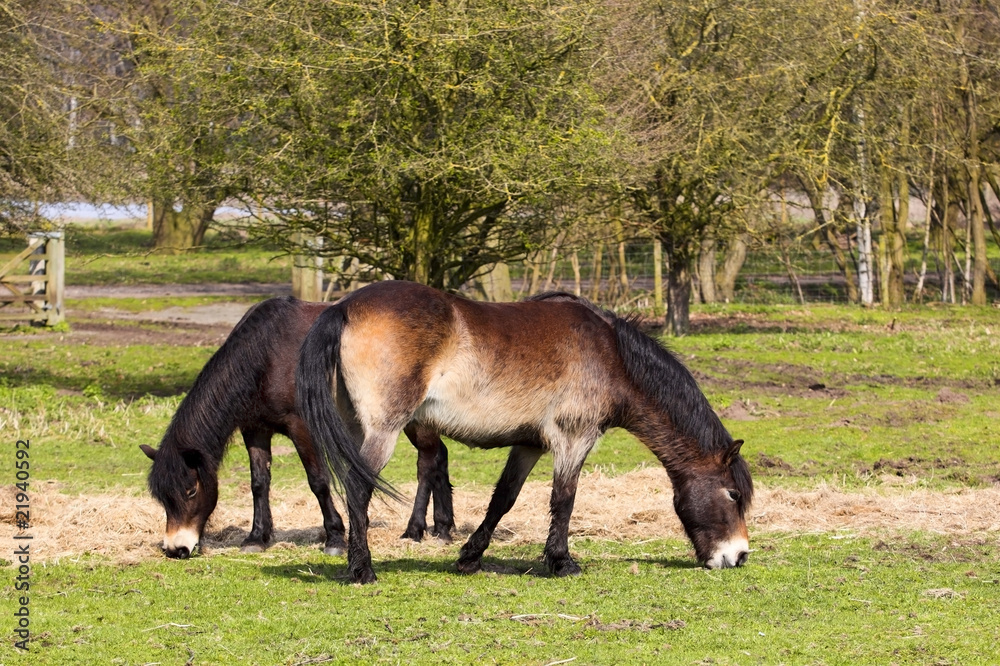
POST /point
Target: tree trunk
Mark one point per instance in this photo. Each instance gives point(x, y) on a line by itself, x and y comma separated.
point(495, 284)
point(887, 219)
point(611, 296)
point(974, 211)
point(623, 270)
point(949, 215)
point(862, 190)
point(553, 261)
point(423, 221)
point(678, 296)
point(732, 264)
point(595, 273)
point(176, 231)
point(977, 222)
point(825, 220)
point(918, 293)
point(536, 274)
point(706, 270)
point(574, 260)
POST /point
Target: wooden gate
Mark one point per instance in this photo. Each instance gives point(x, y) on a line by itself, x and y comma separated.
point(41, 288)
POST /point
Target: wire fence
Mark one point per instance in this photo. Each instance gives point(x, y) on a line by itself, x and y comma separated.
point(810, 275)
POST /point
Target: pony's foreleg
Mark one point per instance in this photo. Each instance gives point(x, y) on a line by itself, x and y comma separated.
point(258, 443)
point(557, 557)
point(432, 475)
point(520, 462)
point(319, 482)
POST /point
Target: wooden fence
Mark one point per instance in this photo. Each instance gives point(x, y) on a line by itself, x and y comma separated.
point(41, 288)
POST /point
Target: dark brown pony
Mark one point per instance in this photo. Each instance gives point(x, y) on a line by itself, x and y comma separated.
point(549, 374)
point(249, 383)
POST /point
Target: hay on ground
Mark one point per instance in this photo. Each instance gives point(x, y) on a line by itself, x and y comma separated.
point(633, 506)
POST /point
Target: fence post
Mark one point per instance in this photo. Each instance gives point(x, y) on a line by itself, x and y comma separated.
point(658, 277)
point(307, 270)
point(51, 264)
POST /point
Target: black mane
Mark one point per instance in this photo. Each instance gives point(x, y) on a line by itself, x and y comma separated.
point(221, 397)
point(658, 373)
point(606, 315)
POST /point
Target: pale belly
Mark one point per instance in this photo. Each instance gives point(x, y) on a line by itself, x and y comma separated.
point(484, 412)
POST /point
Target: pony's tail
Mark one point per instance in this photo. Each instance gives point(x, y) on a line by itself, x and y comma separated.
point(314, 377)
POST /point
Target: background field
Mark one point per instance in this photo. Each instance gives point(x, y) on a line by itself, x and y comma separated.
point(872, 437)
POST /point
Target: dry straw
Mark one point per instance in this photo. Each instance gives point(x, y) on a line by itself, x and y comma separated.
point(633, 506)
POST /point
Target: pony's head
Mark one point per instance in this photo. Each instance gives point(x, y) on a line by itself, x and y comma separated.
point(711, 498)
point(188, 490)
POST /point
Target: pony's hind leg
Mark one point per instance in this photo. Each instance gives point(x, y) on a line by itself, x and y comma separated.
point(444, 512)
point(376, 450)
point(258, 443)
point(432, 476)
point(319, 482)
point(520, 462)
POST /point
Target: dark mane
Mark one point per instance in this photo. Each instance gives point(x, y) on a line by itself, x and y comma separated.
point(658, 373)
point(221, 396)
point(606, 315)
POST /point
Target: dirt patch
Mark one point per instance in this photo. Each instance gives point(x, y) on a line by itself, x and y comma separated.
point(739, 411)
point(109, 334)
point(948, 396)
point(773, 464)
point(633, 506)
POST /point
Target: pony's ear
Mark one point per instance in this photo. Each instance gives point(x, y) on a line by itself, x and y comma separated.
point(734, 450)
point(149, 451)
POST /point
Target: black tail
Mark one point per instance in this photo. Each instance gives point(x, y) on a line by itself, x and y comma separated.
point(314, 379)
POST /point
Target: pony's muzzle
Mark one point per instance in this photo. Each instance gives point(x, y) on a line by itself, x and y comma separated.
point(181, 544)
point(732, 553)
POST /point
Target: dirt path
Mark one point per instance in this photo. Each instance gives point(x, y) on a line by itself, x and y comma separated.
point(634, 506)
point(163, 290)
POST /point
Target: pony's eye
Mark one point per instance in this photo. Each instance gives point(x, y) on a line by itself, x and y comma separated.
point(734, 495)
point(191, 493)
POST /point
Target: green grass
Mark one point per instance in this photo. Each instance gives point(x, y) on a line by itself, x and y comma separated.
point(126, 257)
point(89, 406)
point(827, 598)
point(817, 599)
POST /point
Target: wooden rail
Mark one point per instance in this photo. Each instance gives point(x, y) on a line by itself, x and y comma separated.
point(45, 280)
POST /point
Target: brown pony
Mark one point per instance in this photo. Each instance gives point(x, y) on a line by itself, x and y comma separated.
point(548, 374)
point(249, 384)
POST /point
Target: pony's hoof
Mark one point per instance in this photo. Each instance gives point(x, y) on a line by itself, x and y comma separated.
point(335, 551)
point(470, 566)
point(252, 548)
point(363, 577)
point(412, 535)
point(566, 567)
point(443, 536)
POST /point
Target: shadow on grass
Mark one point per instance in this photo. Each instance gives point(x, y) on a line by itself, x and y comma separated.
point(666, 562)
point(129, 387)
point(336, 571)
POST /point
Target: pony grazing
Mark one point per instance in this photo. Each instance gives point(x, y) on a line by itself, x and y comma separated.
point(249, 383)
point(548, 374)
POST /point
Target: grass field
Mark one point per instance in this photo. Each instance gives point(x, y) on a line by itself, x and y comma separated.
point(829, 399)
